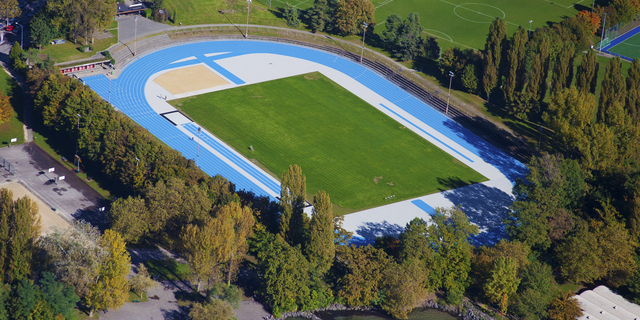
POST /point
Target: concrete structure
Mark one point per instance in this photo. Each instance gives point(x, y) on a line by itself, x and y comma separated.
point(603, 304)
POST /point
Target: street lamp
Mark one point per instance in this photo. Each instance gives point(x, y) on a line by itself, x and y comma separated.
point(602, 35)
point(137, 161)
point(246, 33)
point(21, 32)
point(135, 33)
point(198, 153)
point(364, 25)
point(77, 158)
point(530, 21)
point(446, 111)
point(109, 74)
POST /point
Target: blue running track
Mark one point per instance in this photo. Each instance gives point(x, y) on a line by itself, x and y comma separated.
point(127, 95)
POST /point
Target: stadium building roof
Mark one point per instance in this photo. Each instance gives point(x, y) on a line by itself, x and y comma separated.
point(603, 304)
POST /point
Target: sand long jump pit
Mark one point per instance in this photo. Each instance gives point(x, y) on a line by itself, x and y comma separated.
point(48, 217)
point(189, 79)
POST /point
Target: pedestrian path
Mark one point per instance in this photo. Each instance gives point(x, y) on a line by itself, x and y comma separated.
point(248, 62)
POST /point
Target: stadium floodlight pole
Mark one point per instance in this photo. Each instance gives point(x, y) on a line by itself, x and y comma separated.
point(364, 25)
point(21, 33)
point(135, 41)
point(592, 5)
point(246, 33)
point(446, 111)
point(77, 158)
point(602, 35)
point(530, 21)
point(198, 153)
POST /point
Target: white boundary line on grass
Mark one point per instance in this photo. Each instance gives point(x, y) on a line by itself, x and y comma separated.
point(478, 12)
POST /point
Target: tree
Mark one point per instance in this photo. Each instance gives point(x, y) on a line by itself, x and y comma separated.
point(592, 19)
point(291, 15)
point(404, 286)
point(563, 68)
point(403, 38)
point(587, 74)
point(6, 110)
point(350, 14)
point(23, 231)
point(320, 248)
point(142, 280)
point(242, 222)
point(450, 261)
point(431, 49)
point(293, 220)
point(614, 88)
point(59, 296)
point(207, 247)
point(365, 267)
point(129, 218)
point(285, 276)
point(565, 307)
point(503, 283)
point(25, 302)
point(538, 277)
point(470, 79)
point(75, 254)
point(535, 79)
point(6, 214)
point(5, 290)
point(317, 15)
point(413, 240)
point(41, 32)
point(633, 91)
point(493, 54)
point(530, 304)
point(570, 115)
point(214, 310)
point(110, 291)
point(9, 9)
point(515, 62)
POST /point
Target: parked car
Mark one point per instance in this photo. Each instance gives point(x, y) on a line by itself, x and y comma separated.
point(58, 41)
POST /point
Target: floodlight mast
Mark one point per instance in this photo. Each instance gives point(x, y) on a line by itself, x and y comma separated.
point(602, 35)
point(198, 152)
point(77, 158)
point(364, 25)
point(135, 41)
point(446, 111)
point(246, 33)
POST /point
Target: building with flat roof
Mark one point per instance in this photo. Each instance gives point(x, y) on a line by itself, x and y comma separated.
point(603, 304)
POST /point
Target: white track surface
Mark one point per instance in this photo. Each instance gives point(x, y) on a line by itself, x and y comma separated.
point(255, 68)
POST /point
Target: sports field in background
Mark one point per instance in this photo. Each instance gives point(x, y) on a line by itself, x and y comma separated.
point(629, 48)
point(465, 23)
point(343, 145)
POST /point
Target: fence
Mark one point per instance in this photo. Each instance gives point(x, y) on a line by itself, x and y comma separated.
point(6, 164)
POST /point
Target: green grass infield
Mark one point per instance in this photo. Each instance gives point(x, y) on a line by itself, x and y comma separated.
point(344, 146)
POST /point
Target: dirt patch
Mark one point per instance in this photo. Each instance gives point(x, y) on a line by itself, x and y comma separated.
point(375, 179)
point(48, 217)
point(312, 76)
point(390, 183)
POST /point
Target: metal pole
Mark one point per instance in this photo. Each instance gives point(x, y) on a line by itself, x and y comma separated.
point(530, 21)
point(198, 153)
point(246, 33)
point(364, 32)
point(446, 111)
point(592, 5)
point(602, 35)
point(109, 88)
point(135, 41)
point(137, 161)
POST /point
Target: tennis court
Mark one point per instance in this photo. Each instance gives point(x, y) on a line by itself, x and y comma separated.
point(626, 46)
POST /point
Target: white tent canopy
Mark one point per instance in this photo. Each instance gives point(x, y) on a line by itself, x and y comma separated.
point(603, 304)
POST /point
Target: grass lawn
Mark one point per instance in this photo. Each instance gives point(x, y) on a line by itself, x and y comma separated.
point(192, 12)
point(169, 270)
point(464, 24)
point(343, 145)
point(134, 296)
point(68, 51)
point(12, 128)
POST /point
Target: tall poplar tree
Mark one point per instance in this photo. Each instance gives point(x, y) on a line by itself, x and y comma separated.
point(493, 54)
point(563, 68)
point(242, 221)
point(320, 248)
point(503, 283)
point(24, 229)
point(544, 49)
point(293, 220)
point(515, 62)
point(6, 214)
point(535, 77)
point(587, 74)
point(633, 91)
point(110, 291)
point(614, 88)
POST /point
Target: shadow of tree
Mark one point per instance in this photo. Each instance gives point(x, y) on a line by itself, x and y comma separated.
point(180, 314)
point(486, 207)
point(370, 230)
